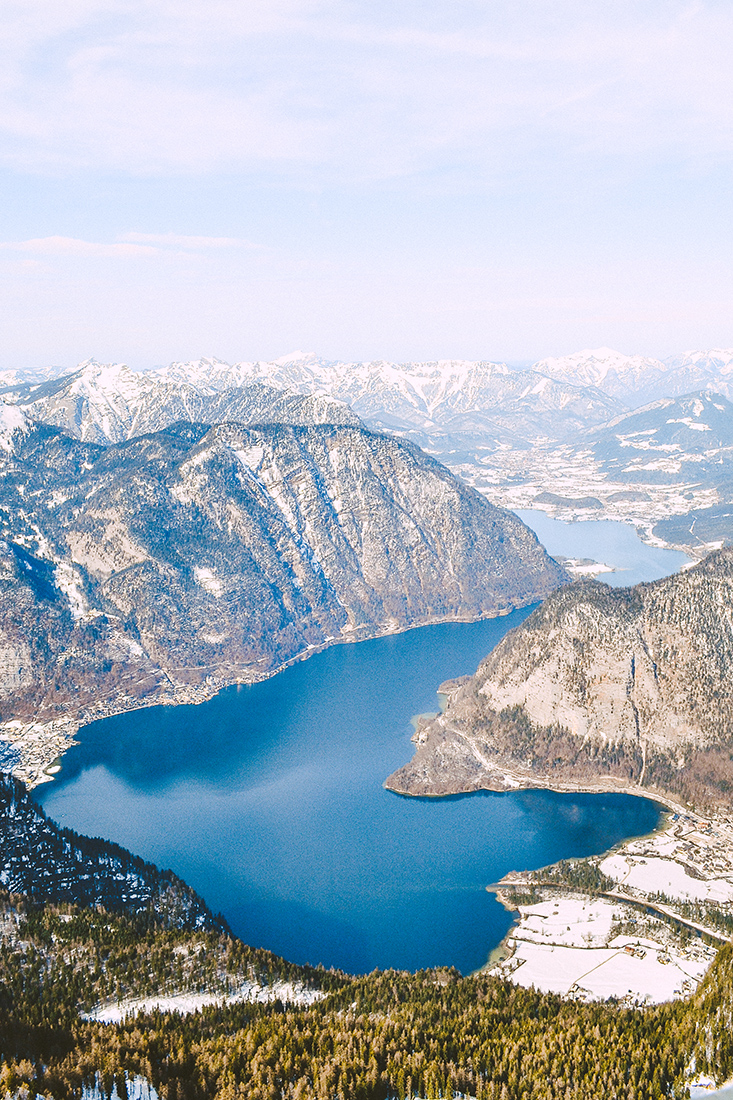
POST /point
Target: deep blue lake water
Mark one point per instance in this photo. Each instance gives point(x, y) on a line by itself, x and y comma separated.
point(268, 800)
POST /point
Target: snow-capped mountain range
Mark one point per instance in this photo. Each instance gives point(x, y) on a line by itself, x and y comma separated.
point(614, 373)
point(443, 406)
point(520, 436)
point(554, 399)
point(109, 403)
point(636, 379)
point(408, 397)
point(427, 392)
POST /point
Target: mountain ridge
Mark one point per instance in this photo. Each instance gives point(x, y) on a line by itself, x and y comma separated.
point(163, 568)
point(599, 688)
point(108, 403)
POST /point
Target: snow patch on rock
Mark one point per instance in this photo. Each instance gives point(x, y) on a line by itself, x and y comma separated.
point(12, 420)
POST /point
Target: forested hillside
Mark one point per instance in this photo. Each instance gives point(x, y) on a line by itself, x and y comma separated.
point(386, 1035)
point(47, 863)
point(389, 1034)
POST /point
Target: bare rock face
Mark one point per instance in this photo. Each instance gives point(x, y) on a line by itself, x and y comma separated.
point(598, 688)
point(187, 559)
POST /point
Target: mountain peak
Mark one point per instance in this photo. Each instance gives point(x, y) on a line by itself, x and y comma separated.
point(297, 357)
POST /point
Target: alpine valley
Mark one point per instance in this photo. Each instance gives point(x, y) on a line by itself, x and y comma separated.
point(170, 532)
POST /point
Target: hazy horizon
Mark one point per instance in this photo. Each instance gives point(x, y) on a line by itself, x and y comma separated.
point(386, 180)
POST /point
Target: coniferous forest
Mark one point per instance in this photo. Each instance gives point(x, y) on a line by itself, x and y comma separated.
point(387, 1034)
point(139, 932)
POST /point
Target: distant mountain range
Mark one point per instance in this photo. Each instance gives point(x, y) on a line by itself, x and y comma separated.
point(637, 380)
point(445, 405)
point(420, 394)
point(109, 403)
point(574, 435)
point(687, 439)
point(442, 405)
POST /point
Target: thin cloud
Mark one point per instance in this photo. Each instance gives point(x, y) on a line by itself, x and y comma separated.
point(129, 246)
point(331, 90)
point(73, 246)
point(176, 240)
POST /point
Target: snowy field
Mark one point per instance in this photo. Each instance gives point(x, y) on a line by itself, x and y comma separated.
point(570, 945)
point(665, 876)
point(184, 1003)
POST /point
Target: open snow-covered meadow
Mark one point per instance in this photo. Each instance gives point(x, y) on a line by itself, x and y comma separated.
point(571, 945)
point(115, 1011)
point(611, 945)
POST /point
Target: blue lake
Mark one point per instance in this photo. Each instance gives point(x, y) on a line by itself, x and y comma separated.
point(268, 800)
point(605, 540)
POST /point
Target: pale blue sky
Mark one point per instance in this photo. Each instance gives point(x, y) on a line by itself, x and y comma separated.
point(403, 180)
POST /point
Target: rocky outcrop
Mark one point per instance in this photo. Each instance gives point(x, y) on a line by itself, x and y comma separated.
point(187, 559)
point(598, 688)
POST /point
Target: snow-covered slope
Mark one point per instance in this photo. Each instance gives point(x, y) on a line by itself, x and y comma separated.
point(621, 376)
point(12, 421)
point(685, 441)
point(698, 370)
point(636, 379)
point(30, 377)
point(109, 403)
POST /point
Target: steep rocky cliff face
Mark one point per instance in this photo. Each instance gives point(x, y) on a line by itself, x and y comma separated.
point(599, 687)
point(199, 556)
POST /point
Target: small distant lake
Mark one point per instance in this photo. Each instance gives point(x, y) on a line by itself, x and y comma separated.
point(268, 800)
point(605, 540)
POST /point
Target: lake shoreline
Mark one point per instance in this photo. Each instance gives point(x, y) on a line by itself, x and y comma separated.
point(685, 853)
point(34, 746)
point(692, 859)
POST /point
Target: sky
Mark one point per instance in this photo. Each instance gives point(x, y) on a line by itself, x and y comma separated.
point(242, 178)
